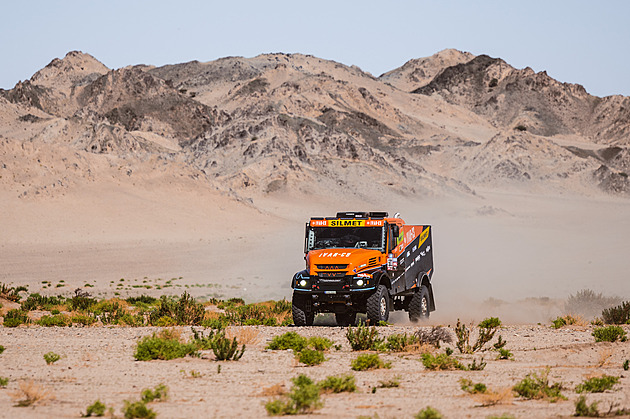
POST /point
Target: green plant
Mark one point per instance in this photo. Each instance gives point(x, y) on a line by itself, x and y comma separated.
point(1, 349)
point(162, 346)
point(203, 341)
point(289, 340)
point(617, 315)
point(82, 319)
point(160, 393)
point(11, 293)
point(626, 364)
point(338, 384)
point(499, 344)
point(476, 367)
point(400, 342)
point(472, 388)
point(310, 356)
point(609, 334)
point(505, 354)
point(225, 349)
point(319, 343)
point(302, 398)
point(428, 413)
point(597, 384)
point(4, 381)
point(95, 409)
point(60, 320)
point(448, 351)
point(537, 387)
point(51, 357)
point(363, 338)
point(487, 329)
point(183, 310)
point(441, 362)
point(584, 410)
point(139, 409)
point(14, 318)
point(391, 383)
point(369, 362)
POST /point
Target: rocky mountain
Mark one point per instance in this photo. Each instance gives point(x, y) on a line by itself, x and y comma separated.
point(448, 124)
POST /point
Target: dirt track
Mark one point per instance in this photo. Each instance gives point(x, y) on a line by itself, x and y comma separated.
point(98, 363)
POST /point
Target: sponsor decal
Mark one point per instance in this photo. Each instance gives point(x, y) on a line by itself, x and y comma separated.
point(423, 236)
point(347, 223)
point(335, 255)
point(364, 275)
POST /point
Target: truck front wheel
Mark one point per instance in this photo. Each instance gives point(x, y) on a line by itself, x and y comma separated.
point(419, 305)
point(378, 306)
point(301, 308)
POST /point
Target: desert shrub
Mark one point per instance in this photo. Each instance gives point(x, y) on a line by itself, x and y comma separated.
point(487, 329)
point(505, 354)
point(441, 362)
point(31, 394)
point(428, 413)
point(617, 315)
point(183, 310)
point(143, 299)
point(269, 313)
point(220, 322)
point(225, 349)
point(59, 320)
point(14, 318)
point(391, 383)
point(588, 303)
point(338, 384)
point(202, 340)
point(162, 347)
point(369, 362)
point(2, 348)
point(473, 388)
point(311, 356)
point(11, 293)
point(434, 336)
point(319, 343)
point(302, 398)
point(95, 409)
point(139, 409)
point(4, 381)
point(626, 365)
point(36, 301)
point(597, 384)
point(474, 366)
point(81, 303)
point(609, 334)
point(289, 340)
point(582, 409)
point(51, 357)
point(363, 338)
point(400, 342)
point(159, 393)
point(537, 387)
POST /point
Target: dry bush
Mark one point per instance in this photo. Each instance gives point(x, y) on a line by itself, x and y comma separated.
point(589, 304)
point(170, 334)
point(274, 390)
point(434, 336)
point(492, 398)
point(30, 394)
point(420, 348)
point(246, 335)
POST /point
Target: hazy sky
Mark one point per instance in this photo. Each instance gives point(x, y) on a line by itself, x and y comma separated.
point(585, 42)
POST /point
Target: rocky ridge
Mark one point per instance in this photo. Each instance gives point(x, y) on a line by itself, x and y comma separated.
point(446, 124)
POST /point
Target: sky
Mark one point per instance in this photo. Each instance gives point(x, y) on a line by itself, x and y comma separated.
point(584, 42)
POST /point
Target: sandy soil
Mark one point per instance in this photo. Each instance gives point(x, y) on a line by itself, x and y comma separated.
point(98, 363)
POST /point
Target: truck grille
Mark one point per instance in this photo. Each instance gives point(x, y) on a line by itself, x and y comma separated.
point(332, 267)
point(330, 275)
point(372, 261)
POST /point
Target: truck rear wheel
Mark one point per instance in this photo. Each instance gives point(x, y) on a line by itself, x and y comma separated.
point(419, 305)
point(346, 319)
point(378, 306)
point(301, 309)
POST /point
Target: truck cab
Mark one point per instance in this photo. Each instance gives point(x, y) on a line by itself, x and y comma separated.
point(364, 262)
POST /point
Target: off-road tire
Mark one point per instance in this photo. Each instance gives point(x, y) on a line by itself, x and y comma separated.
point(419, 305)
point(302, 313)
point(346, 319)
point(377, 306)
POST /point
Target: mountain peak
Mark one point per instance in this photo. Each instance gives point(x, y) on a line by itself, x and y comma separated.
point(76, 68)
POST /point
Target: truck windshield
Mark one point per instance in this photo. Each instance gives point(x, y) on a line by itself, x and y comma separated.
point(345, 237)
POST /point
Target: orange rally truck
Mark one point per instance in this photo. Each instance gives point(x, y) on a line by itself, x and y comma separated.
point(364, 262)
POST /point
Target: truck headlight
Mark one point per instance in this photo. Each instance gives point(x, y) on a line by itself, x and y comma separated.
point(360, 282)
point(302, 282)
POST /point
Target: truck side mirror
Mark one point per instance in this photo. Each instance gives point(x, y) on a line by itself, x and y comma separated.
point(395, 231)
